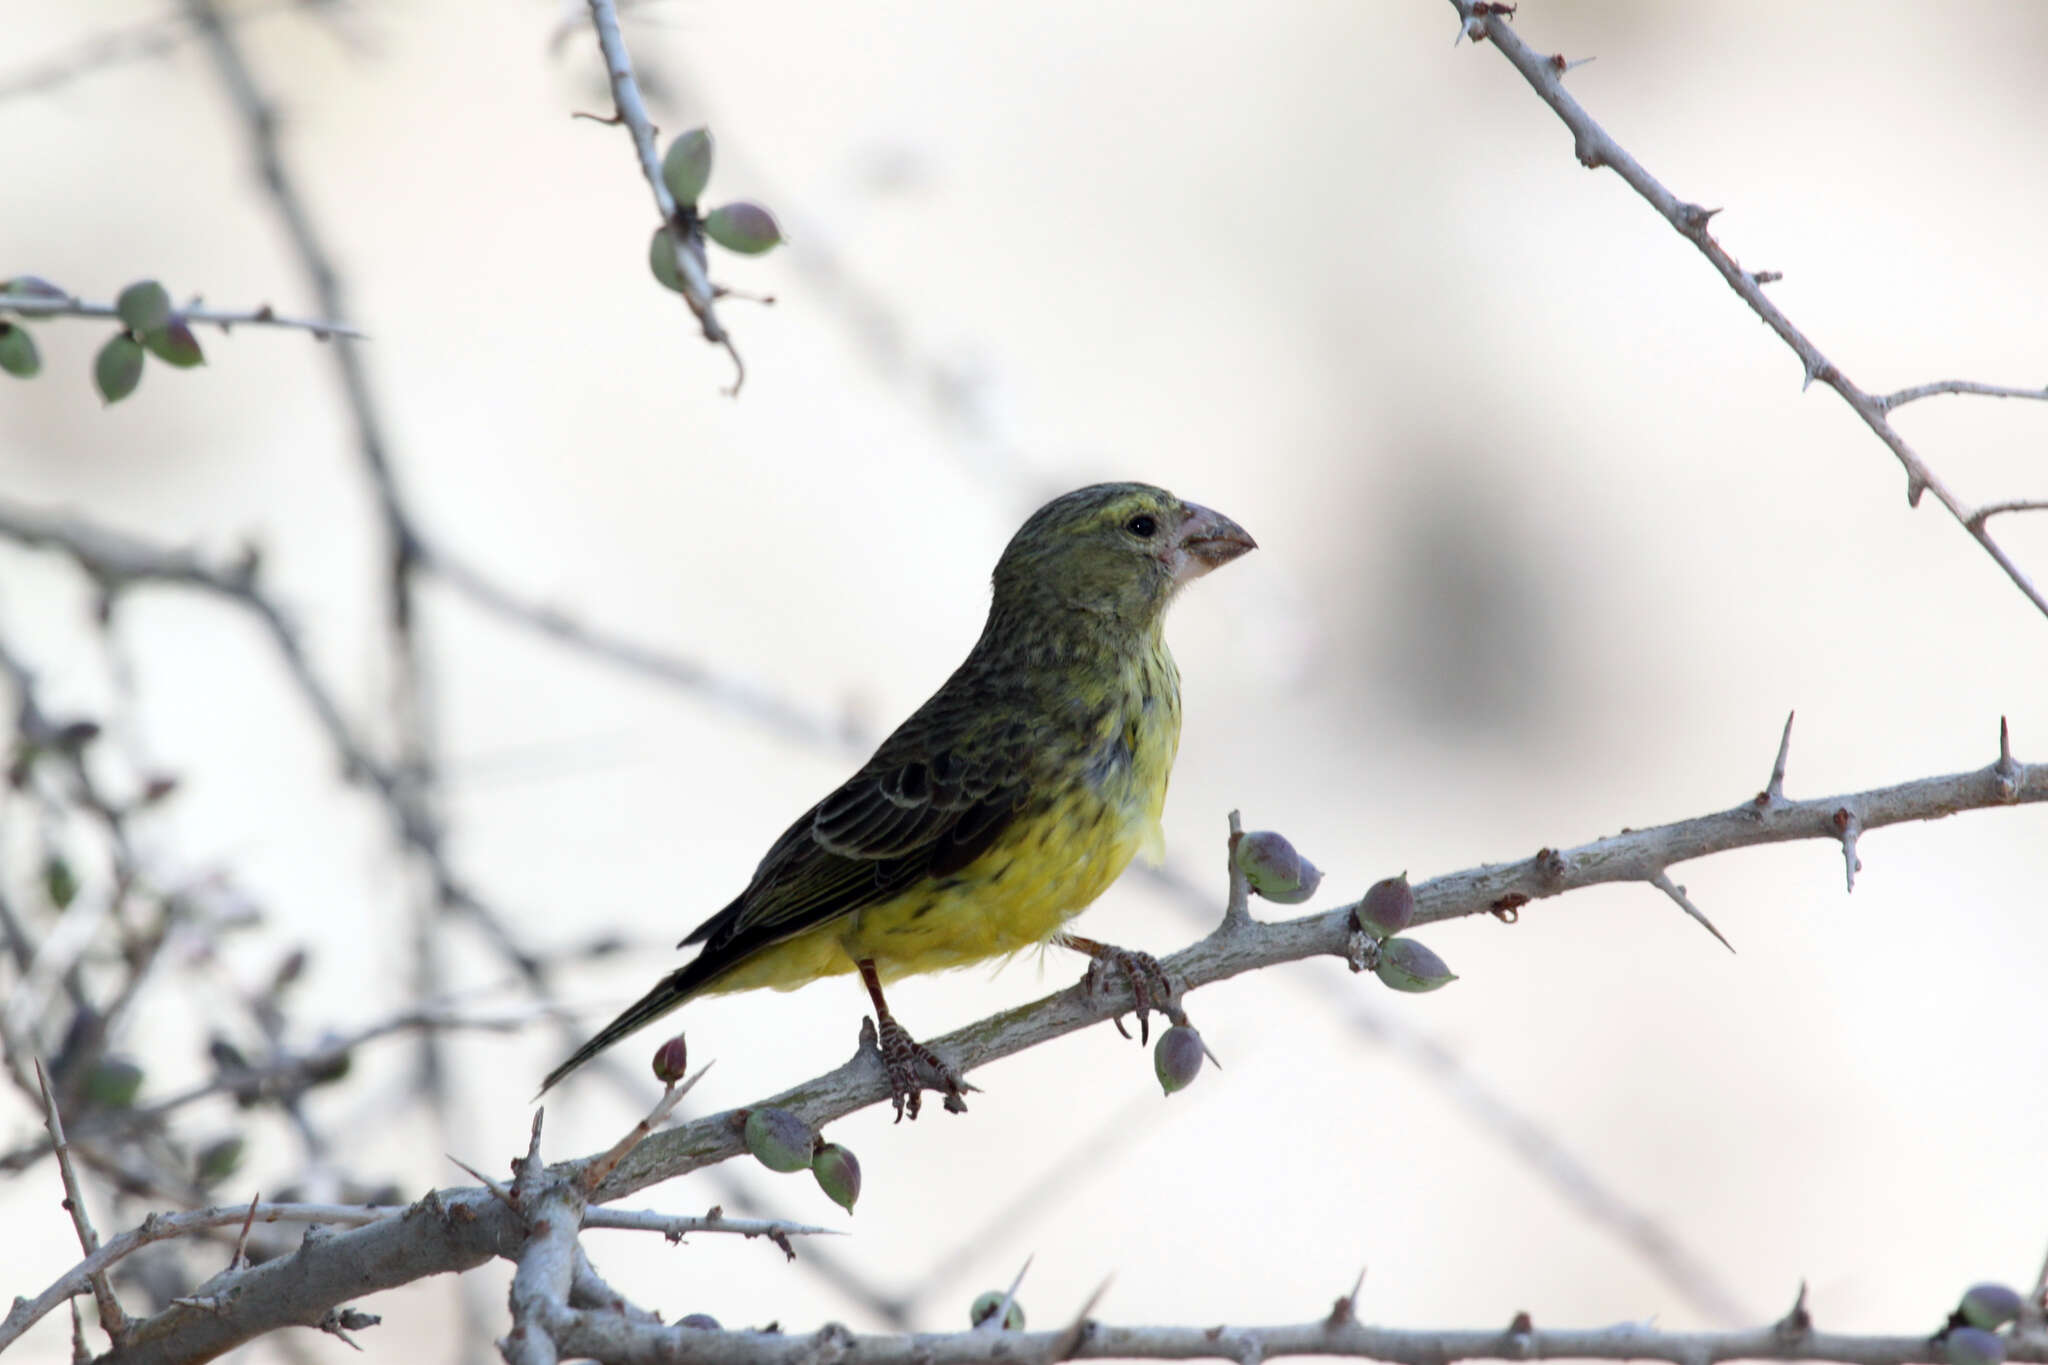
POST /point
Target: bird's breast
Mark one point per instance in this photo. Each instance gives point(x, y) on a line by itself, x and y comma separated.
point(1099, 803)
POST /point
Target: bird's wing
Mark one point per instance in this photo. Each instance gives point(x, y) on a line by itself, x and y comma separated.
point(936, 795)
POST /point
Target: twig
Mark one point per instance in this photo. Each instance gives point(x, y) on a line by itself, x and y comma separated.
point(594, 1174)
point(676, 1226)
point(632, 111)
point(1920, 391)
point(70, 306)
point(111, 1317)
point(1596, 148)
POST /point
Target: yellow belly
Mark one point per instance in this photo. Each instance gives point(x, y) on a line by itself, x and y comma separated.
point(1039, 875)
point(1015, 896)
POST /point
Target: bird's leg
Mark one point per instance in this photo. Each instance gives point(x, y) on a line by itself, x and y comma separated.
point(1151, 987)
point(911, 1066)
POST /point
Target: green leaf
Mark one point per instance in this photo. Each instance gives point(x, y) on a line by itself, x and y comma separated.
point(687, 167)
point(661, 259)
point(743, 227)
point(118, 367)
point(144, 306)
point(18, 351)
point(174, 344)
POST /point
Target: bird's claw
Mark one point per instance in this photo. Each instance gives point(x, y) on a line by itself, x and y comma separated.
point(912, 1068)
point(1151, 988)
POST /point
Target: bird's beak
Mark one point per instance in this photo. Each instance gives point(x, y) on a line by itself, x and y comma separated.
point(1209, 540)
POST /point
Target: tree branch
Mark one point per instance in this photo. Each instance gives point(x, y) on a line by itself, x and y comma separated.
point(456, 1230)
point(617, 1340)
point(1595, 148)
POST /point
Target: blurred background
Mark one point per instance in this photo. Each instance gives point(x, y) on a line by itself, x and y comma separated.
point(1551, 542)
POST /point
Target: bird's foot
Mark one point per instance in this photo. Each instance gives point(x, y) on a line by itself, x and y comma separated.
point(912, 1068)
point(1151, 987)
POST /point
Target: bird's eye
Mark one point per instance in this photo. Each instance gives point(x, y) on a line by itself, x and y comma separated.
point(1142, 526)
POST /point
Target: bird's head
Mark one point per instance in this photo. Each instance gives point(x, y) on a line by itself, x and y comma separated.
point(1114, 549)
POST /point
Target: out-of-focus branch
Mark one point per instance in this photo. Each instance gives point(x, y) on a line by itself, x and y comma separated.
point(288, 1072)
point(773, 712)
point(130, 43)
point(1596, 148)
point(631, 110)
point(71, 306)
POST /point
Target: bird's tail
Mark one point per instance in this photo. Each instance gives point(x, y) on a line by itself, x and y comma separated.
point(673, 990)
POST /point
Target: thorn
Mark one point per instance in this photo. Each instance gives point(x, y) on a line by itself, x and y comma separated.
point(1797, 1322)
point(1848, 827)
point(1662, 881)
point(1820, 369)
point(1766, 276)
point(2006, 772)
point(1775, 792)
point(1070, 1340)
point(241, 1256)
point(503, 1195)
point(1344, 1311)
point(1694, 217)
point(1915, 486)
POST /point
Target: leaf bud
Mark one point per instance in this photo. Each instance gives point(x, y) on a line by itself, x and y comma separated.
point(743, 227)
point(838, 1174)
point(779, 1139)
point(1177, 1058)
point(144, 306)
point(117, 369)
point(1408, 964)
point(687, 167)
point(18, 351)
point(661, 259)
point(986, 1305)
point(1989, 1306)
point(1388, 907)
point(1973, 1346)
point(1274, 869)
point(218, 1160)
point(113, 1083)
point(671, 1061)
point(174, 344)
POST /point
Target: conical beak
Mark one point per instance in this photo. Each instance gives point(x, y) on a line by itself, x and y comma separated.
point(1209, 540)
point(1214, 538)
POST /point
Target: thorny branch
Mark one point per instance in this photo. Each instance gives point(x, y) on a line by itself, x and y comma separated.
point(434, 1238)
point(1596, 148)
point(620, 1341)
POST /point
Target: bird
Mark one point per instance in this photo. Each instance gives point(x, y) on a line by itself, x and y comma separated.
point(1003, 806)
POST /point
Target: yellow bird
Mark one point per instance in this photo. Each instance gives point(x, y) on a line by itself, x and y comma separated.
point(1004, 805)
